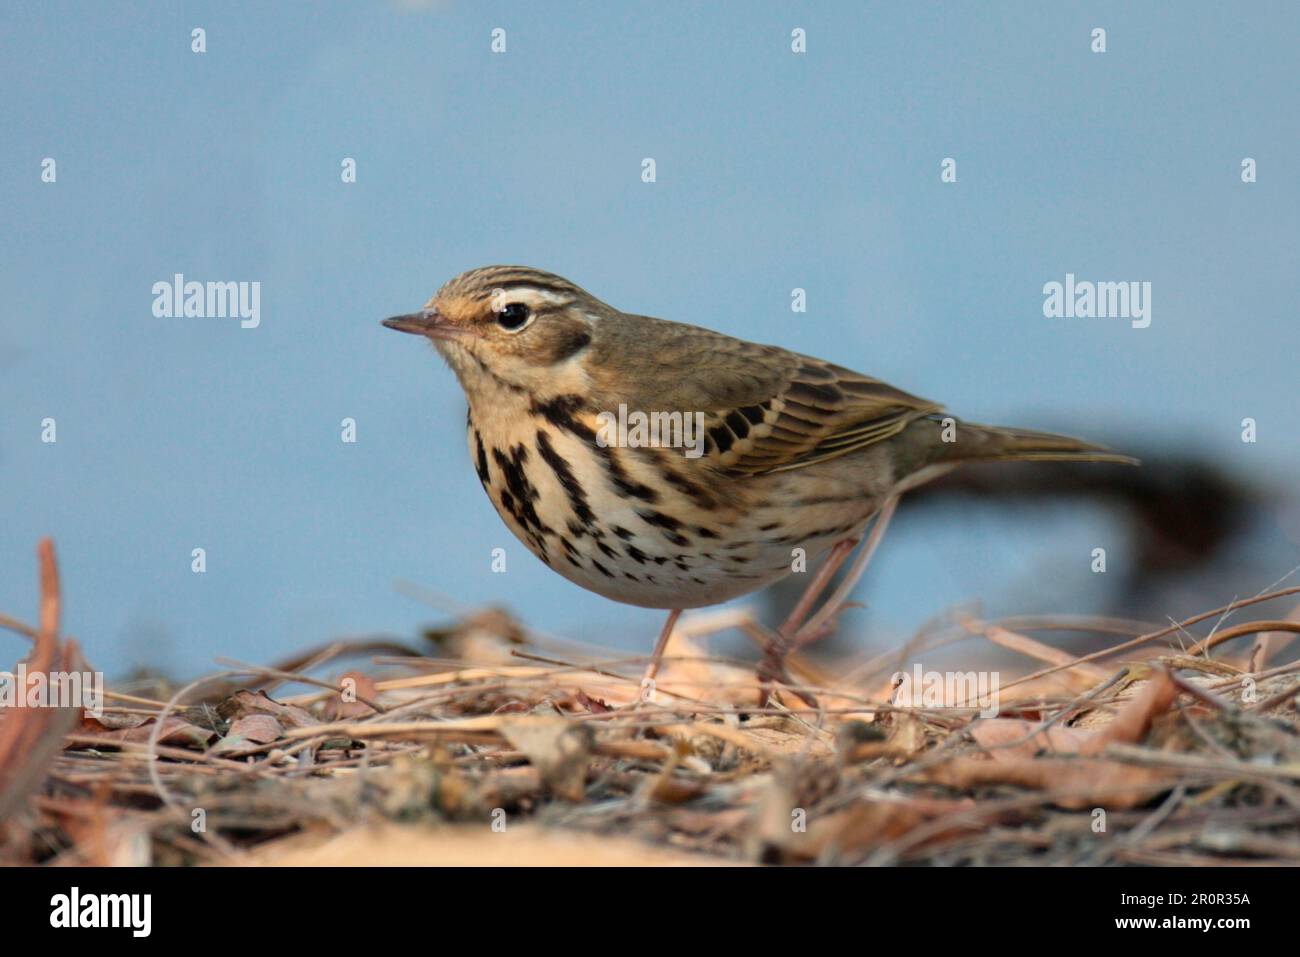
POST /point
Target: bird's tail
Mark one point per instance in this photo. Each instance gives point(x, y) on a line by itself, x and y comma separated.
point(970, 442)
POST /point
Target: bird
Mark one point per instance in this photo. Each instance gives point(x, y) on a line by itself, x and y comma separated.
point(767, 460)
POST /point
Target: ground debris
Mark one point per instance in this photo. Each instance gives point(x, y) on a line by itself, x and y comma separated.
point(517, 752)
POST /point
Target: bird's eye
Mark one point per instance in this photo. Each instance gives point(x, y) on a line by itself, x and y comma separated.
point(514, 316)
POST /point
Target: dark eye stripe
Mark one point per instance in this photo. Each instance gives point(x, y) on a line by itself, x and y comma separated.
point(569, 343)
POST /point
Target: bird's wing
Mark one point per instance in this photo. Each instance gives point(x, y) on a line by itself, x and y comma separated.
point(765, 409)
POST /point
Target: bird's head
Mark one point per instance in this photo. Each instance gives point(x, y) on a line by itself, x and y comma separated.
point(510, 326)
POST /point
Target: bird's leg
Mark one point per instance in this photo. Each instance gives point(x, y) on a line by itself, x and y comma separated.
point(652, 669)
point(772, 666)
point(796, 633)
point(838, 553)
point(772, 670)
point(816, 626)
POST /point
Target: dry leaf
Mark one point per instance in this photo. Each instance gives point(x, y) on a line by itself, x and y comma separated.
point(906, 733)
point(774, 820)
point(176, 731)
point(109, 721)
point(359, 686)
point(243, 703)
point(593, 705)
point(1008, 739)
point(248, 733)
point(871, 823)
point(1079, 778)
point(558, 748)
point(1134, 720)
point(1079, 783)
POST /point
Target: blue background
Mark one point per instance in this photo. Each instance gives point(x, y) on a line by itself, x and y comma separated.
point(775, 170)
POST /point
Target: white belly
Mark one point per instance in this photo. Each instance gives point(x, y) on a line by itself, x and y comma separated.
point(618, 529)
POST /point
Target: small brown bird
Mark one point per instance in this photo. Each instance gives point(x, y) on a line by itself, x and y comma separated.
point(733, 460)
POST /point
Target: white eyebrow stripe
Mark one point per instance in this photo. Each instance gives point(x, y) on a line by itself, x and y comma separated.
point(551, 298)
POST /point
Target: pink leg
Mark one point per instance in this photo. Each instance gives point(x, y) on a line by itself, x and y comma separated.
point(839, 552)
point(779, 645)
point(796, 633)
point(652, 669)
point(813, 628)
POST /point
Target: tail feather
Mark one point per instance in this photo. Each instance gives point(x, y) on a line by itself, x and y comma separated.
point(997, 444)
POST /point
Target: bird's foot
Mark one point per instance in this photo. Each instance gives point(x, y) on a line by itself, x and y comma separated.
point(772, 671)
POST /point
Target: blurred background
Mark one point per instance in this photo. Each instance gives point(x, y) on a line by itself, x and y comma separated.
point(775, 170)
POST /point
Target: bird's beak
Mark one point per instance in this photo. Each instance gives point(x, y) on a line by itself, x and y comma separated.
point(426, 322)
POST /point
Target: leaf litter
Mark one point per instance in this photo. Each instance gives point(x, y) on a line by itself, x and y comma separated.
point(492, 745)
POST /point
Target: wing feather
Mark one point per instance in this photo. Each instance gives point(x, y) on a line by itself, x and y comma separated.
point(765, 409)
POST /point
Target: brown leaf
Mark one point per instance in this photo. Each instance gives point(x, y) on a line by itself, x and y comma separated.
point(1078, 783)
point(770, 826)
point(248, 733)
point(1134, 720)
point(594, 705)
point(1008, 739)
point(109, 721)
point(667, 786)
point(243, 703)
point(260, 728)
point(358, 685)
point(175, 731)
point(874, 822)
point(558, 748)
point(906, 732)
point(1071, 767)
